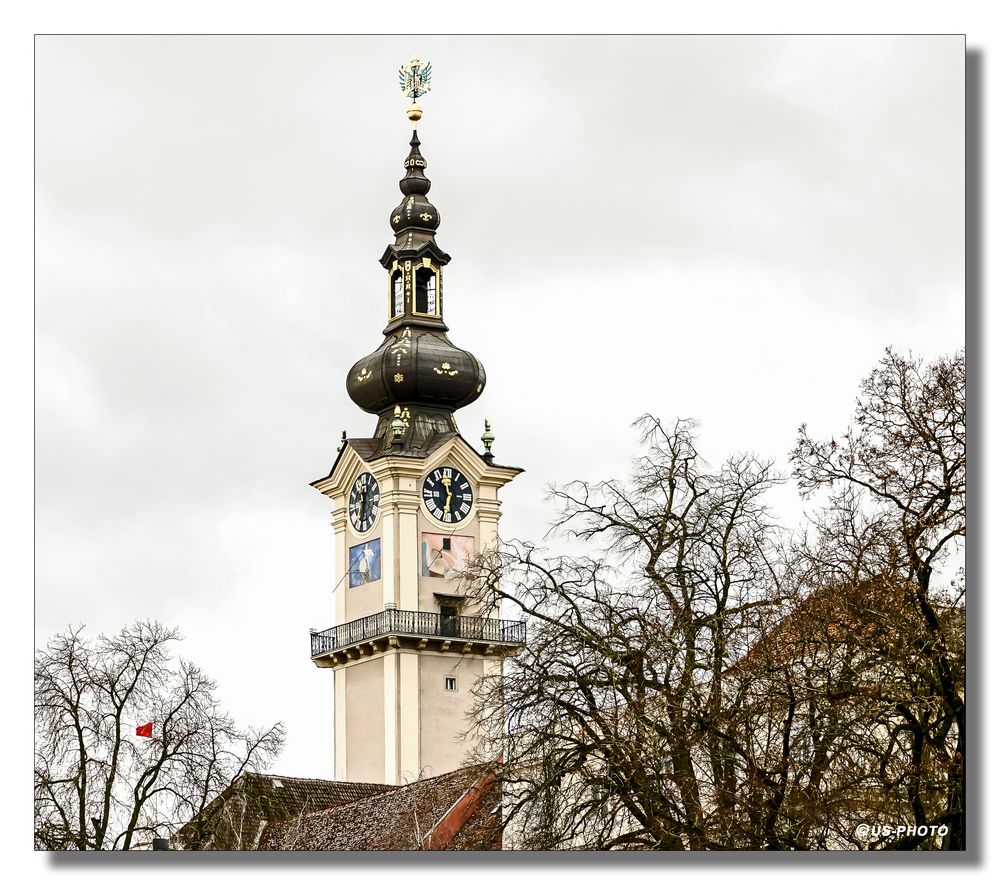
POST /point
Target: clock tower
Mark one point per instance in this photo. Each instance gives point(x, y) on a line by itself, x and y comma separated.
point(412, 504)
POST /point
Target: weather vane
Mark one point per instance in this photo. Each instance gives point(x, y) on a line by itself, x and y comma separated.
point(415, 80)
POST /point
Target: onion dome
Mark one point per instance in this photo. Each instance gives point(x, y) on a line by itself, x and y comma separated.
point(417, 376)
point(415, 219)
point(413, 366)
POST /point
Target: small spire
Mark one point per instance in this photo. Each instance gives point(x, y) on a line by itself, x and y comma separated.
point(343, 440)
point(488, 438)
point(397, 426)
point(414, 220)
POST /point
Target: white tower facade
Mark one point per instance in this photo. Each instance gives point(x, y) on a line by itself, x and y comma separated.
point(408, 645)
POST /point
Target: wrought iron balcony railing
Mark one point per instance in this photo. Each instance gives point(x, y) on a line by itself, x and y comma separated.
point(396, 622)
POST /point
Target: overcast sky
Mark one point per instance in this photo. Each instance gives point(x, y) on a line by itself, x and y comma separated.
point(730, 229)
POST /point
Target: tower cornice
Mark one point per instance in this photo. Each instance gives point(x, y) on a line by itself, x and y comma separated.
point(393, 253)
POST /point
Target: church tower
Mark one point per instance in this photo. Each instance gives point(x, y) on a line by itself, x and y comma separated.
point(411, 505)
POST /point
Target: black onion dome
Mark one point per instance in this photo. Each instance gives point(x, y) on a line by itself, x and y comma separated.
point(415, 215)
point(416, 374)
point(416, 366)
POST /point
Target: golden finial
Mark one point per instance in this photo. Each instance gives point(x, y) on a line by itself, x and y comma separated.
point(414, 80)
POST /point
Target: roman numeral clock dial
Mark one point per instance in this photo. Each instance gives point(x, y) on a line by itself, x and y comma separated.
point(447, 495)
point(363, 504)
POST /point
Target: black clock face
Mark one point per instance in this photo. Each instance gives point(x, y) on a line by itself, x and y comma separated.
point(447, 494)
point(363, 505)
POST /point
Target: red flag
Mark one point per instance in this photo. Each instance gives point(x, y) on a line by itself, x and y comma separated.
point(144, 731)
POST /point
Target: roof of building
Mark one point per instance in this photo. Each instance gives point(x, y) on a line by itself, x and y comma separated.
point(232, 821)
point(877, 613)
point(452, 811)
point(288, 796)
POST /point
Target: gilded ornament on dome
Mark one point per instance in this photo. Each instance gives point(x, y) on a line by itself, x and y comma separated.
point(401, 345)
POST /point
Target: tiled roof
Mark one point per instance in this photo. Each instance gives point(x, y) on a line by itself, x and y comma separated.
point(233, 820)
point(834, 614)
point(482, 831)
point(401, 819)
point(288, 796)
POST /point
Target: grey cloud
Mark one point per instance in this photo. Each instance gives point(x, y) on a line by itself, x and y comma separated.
point(729, 229)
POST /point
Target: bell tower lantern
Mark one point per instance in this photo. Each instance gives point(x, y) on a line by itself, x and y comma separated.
point(412, 504)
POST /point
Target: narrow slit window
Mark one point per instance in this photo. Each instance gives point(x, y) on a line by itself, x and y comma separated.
point(450, 683)
point(397, 294)
point(426, 295)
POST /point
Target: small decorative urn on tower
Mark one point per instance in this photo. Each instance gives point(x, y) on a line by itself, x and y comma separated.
point(411, 505)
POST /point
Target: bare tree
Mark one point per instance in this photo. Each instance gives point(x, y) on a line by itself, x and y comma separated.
point(98, 785)
point(895, 516)
point(707, 680)
point(615, 729)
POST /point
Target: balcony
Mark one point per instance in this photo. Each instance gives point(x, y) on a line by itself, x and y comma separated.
point(394, 628)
